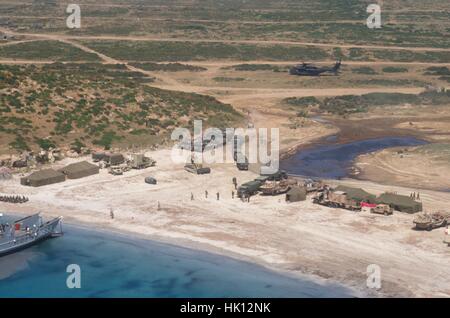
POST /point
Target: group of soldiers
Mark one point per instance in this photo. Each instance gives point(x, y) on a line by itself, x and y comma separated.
point(13, 198)
point(218, 193)
point(415, 196)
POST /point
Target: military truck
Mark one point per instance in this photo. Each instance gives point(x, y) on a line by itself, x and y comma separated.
point(382, 209)
point(139, 161)
point(242, 164)
point(196, 168)
point(248, 189)
point(98, 156)
point(429, 221)
point(336, 199)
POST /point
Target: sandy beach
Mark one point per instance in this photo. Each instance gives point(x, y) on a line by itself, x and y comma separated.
point(303, 238)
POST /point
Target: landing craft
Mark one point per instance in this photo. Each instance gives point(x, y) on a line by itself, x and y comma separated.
point(306, 69)
point(25, 232)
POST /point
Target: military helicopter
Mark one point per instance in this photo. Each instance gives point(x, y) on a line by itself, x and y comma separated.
point(306, 69)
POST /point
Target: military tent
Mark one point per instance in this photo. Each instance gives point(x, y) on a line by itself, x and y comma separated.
point(296, 194)
point(357, 194)
point(400, 203)
point(80, 170)
point(43, 177)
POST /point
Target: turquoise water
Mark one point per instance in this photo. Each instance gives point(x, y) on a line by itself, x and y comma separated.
point(120, 266)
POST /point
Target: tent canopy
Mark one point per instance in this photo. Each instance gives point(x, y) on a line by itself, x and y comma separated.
point(401, 203)
point(43, 177)
point(80, 170)
point(357, 194)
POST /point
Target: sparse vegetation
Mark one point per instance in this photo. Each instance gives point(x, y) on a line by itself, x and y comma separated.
point(228, 79)
point(364, 70)
point(46, 50)
point(85, 104)
point(393, 69)
point(348, 104)
point(196, 51)
point(437, 70)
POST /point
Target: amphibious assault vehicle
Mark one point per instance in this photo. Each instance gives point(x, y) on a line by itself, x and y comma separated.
point(429, 221)
point(276, 187)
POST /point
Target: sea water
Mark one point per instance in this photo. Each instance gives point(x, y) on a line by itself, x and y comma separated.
point(114, 265)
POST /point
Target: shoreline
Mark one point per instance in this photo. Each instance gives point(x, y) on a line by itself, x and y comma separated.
point(209, 249)
point(279, 236)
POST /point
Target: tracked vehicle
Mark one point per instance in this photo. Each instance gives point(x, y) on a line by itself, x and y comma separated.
point(429, 221)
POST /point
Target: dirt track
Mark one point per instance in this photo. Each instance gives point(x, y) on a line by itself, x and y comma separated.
point(163, 39)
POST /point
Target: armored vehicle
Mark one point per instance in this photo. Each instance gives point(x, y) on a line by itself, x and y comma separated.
point(336, 199)
point(306, 69)
point(16, 235)
point(313, 185)
point(196, 168)
point(382, 209)
point(276, 187)
point(429, 221)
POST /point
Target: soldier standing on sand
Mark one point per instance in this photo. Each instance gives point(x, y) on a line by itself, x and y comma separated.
point(218, 195)
point(206, 194)
point(192, 196)
point(248, 198)
point(111, 213)
point(235, 183)
point(232, 194)
point(159, 206)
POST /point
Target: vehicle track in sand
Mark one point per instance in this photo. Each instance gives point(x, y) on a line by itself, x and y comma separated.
point(55, 36)
point(238, 97)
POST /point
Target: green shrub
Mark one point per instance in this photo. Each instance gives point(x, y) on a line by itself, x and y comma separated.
point(393, 69)
point(364, 70)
